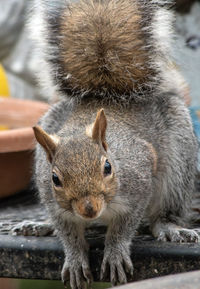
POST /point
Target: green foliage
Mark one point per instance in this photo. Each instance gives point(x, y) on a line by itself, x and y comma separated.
point(43, 284)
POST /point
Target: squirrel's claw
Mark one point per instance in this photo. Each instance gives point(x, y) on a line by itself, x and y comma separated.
point(103, 271)
point(65, 276)
point(87, 274)
point(128, 266)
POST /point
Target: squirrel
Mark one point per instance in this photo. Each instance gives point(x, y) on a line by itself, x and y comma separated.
point(119, 146)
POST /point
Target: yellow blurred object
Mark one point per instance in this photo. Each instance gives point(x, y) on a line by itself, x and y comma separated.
point(4, 88)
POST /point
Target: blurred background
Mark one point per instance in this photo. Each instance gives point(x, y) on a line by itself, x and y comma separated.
point(18, 66)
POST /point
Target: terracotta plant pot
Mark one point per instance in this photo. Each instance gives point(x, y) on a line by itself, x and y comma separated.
point(17, 142)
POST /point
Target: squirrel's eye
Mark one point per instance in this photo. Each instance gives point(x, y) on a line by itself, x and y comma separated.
point(56, 180)
point(107, 168)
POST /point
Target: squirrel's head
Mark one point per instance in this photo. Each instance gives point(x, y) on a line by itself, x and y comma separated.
point(83, 175)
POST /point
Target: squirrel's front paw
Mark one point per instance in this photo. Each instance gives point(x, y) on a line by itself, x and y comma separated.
point(77, 271)
point(119, 263)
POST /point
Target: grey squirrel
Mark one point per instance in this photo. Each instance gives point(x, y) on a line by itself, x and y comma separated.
point(119, 147)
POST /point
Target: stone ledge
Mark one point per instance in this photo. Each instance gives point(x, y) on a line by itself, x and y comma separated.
point(42, 257)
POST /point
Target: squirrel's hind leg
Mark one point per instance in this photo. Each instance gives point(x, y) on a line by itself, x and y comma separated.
point(30, 228)
point(174, 233)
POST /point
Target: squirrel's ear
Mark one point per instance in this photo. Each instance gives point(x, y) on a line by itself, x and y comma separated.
point(48, 142)
point(99, 129)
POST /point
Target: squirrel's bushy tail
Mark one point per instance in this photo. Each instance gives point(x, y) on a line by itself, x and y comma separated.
point(104, 46)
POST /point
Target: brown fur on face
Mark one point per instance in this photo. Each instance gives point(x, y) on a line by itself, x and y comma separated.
point(79, 166)
point(103, 46)
point(78, 163)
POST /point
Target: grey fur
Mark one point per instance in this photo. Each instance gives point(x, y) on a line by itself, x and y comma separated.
point(158, 196)
point(162, 199)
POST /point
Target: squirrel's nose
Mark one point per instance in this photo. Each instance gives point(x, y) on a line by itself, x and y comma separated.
point(88, 207)
point(90, 212)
